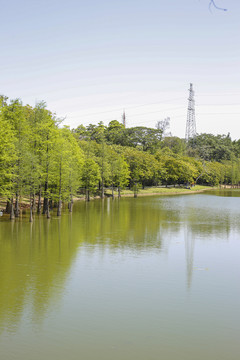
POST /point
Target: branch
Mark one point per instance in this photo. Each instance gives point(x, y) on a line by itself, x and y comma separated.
point(212, 2)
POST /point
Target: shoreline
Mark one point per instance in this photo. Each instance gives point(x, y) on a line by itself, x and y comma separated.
point(165, 193)
point(162, 192)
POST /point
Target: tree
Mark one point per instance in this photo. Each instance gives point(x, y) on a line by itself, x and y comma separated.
point(46, 137)
point(146, 139)
point(210, 147)
point(116, 133)
point(96, 132)
point(90, 176)
point(15, 115)
point(119, 171)
point(64, 175)
point(164, 126)
point(7, 154)
point(175, 144)
point(81, 133)
point(142, 166)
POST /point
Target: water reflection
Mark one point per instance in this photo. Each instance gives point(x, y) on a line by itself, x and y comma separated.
point(34, 265)
point(189, 253)
point(36, 259)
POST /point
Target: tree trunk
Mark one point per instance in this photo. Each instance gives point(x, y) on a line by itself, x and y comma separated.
point(119, 192)
point(31, 210)
point(8, 207)
point(45, 200)
point(17, 210)
point(34, 202)
point(59, 209)
point(70, 205)
point(50, 204)
point(12, 216)
point(87, 195)
point(102, 193)
point(112, 191)
point(39, 200)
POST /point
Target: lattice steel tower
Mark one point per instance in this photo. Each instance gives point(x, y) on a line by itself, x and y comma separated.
point(191, 122)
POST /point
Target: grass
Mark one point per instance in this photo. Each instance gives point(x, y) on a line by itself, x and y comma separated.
point(161, 190)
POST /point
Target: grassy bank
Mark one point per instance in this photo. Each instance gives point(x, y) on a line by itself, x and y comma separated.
point(148, 191)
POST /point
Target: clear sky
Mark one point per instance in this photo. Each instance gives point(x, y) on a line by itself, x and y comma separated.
point(89, 60)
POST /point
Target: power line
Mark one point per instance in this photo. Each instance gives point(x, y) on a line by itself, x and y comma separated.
point(132, 122)
point(131, 107)
point(160, 115)
point(149, 112)
point(218, 104)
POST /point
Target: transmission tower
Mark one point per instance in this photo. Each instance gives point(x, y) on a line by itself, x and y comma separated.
point(191, 123)
point(124, 118)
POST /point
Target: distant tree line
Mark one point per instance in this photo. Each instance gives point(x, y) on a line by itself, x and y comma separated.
point(46, 163)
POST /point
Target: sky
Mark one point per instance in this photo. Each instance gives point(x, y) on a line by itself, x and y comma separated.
point(90, 60)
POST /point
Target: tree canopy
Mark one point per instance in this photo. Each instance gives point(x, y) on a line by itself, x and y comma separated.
point(48, 163)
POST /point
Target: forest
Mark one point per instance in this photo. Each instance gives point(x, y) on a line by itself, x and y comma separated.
point(47, 164)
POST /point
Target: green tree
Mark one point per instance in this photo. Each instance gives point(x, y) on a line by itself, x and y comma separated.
point(15, 115)
point(7, 154)
point(90, 176)
point(116, 133)
point(146, 139)
point(64, 176)
point(119, 171)
point(210, 147)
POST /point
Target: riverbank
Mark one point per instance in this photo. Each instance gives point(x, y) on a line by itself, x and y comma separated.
point(148, 191)
point(151, 191)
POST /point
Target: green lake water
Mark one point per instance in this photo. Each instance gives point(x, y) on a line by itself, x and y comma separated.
point(131, 279)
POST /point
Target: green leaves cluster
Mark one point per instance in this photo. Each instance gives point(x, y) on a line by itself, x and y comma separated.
point(37, 157)
point(43, 160)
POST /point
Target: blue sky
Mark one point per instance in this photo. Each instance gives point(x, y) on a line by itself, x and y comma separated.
point(89, 60)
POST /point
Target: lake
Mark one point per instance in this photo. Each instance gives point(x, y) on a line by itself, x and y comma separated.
point(147, 278)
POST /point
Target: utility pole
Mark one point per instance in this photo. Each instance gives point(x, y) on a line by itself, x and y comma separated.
point(124, 118)
point(191, 122)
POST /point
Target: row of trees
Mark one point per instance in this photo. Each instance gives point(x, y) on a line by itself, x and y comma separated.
point(141, 168)
point(38, 159)
point(47, 163)
point(154, 158)
point(207, 147)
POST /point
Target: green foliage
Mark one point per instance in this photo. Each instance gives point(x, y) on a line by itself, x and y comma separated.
point(119, 170)
point(7, 154)
point(147, 139)
point(40, 158)
point(67, 161)
point(116, 133)
point(90, 176)
point(210, 147)
point(15, 114)
point(175, 144)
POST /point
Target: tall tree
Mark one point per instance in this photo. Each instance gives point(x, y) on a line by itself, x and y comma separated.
point(15, 114)
point(90, 176)
point(64, 176)
point(7, 155)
